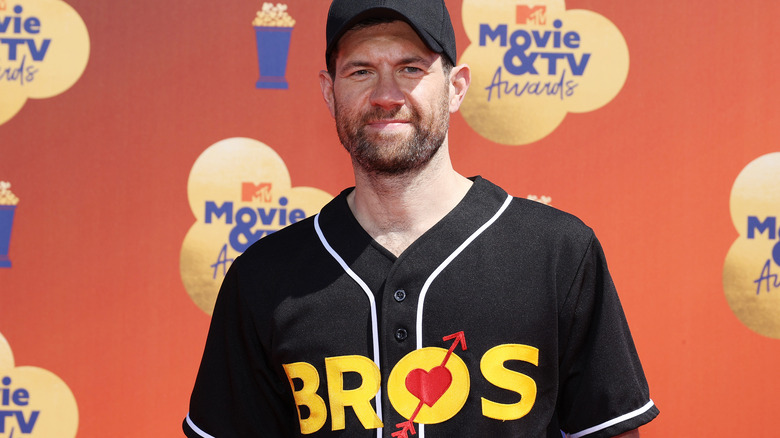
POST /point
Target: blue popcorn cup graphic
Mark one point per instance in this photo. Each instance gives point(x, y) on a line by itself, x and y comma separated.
point(273, 46)
point(6, 223)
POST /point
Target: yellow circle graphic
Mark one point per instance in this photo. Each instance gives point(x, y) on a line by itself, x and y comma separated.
point(751, 272)
point(48, 49)
point(6, 355)
point(533, 62)
point(239, 191)
point(37, 403)
point(427, 362)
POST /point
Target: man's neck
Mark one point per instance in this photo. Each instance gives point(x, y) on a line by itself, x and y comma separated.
point(397, 209)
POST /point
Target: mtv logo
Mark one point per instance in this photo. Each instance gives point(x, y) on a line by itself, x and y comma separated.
point(251, 191)
point(531, 14)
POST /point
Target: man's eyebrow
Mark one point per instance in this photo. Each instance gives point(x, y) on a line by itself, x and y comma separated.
point(358, 63)
point(355, 64)
point(414, 59)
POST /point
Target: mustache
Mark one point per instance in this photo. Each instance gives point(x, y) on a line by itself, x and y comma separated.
point(379, 114)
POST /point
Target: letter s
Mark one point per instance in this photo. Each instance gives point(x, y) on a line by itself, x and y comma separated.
point(492, 366)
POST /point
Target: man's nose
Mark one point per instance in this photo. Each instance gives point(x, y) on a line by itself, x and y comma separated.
point(387, 93)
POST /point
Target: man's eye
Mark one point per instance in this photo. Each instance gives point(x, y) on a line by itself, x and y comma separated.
point(412, 70)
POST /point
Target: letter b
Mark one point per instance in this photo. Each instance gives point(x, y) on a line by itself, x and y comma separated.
point(307, 396)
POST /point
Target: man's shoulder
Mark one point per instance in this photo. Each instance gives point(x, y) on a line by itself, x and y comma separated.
point(293, 244)
point(294, 237)
point(531, 224)
point(546, 217)
point(278, 258)
point(525, 217)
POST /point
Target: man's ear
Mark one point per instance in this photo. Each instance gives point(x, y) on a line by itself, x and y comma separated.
point(326, 85)
point(460, 79)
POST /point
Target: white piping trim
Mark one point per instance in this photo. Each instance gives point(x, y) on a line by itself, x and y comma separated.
point(446, 262)
point(196, 429)
point(614, 421)
point(427, 285)
point(370, 295)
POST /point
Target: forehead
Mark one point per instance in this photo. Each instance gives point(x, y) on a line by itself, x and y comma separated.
point(379, 38)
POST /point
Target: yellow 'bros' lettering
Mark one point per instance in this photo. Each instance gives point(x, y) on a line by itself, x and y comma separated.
point(359, 398)
point(307, 396)
point(492, 366)
point(307, 379)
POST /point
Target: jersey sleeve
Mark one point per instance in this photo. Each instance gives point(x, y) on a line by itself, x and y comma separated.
point(603, 391)
point(236, 392)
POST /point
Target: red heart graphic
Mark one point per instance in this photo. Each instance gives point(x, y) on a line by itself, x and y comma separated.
point(429, 386)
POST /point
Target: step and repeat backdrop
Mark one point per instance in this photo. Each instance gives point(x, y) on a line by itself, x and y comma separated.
point(144, 145)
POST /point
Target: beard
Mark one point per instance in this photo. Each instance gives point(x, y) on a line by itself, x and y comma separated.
point(393, 153)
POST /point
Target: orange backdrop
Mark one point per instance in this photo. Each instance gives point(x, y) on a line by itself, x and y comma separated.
point(95, 296)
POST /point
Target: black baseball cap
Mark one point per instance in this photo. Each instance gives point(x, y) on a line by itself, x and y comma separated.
point(429, 18)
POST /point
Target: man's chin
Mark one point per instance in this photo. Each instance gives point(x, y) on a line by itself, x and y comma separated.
point(387, 169)
point(393, 165)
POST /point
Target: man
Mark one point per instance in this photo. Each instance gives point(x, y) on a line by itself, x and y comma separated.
point(420, 302)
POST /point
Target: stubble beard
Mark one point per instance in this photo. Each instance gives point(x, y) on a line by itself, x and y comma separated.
point(392, 153)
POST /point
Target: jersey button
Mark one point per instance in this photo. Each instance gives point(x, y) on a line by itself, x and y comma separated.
point(399, 295)
point(401, 335)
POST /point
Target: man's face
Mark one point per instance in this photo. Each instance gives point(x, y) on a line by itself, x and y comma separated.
point(390, 98)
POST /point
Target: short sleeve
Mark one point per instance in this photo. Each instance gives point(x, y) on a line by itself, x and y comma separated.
point(236, 392)
point(603, 391)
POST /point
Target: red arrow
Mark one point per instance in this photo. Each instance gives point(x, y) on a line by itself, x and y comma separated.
point(408, 426)
point(460, 338)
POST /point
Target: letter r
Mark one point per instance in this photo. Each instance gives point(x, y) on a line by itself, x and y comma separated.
point(359, 398)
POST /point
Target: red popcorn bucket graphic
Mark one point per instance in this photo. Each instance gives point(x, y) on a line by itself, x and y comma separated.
point(6, 223)
point(273, 46)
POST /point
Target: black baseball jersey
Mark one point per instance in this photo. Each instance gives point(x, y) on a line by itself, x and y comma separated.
point(501, 320)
